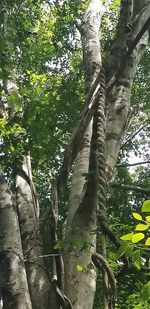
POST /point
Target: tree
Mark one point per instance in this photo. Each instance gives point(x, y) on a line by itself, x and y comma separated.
point(40, 58)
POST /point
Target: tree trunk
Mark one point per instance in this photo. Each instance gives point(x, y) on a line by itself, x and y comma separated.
point(28, 214)
point(118, 98)
point(13, 278)
point(80, 285)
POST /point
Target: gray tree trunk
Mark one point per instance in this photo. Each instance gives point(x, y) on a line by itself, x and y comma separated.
point(80, 285)
point(28, 215)
point(118, 98)
point(13, 280)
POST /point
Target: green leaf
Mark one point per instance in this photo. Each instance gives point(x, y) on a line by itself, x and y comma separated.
point(146, 206)
point(136, 255)
point(137, 237)
point(80, 268)
point(142, 227)
point(146, 291)
point(129, 251)
point(147, 243)
point(58, 245)
point(12, 149)
point(136, 259)
point(137, 216)
point(122, 250)
point(148, 219)
point(127, 236)
point(137, 264)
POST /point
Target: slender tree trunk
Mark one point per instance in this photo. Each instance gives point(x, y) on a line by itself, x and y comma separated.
point(80, 285)
point(28, 214)
point(13, 278)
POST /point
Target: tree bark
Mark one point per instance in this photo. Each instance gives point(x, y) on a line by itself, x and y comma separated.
point(28, 214)
point(118, 98)
point(80, 285)
point(13, 278)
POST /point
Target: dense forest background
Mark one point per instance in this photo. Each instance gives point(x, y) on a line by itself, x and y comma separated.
point(42, 95)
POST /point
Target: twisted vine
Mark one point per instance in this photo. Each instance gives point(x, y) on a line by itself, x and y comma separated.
point(100, 127)
point(100, 119)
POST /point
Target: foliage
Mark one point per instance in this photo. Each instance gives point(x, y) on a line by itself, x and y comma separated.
point(143, 226)
point(131, 248)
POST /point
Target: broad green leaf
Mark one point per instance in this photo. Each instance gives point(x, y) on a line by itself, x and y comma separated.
point(80, 268)
point(147, 243)
point(146, 206)
point(142, 227)
point(137, 237)
point(122, 250)
point(148, 219)
point(137, 216)
point(127, 236)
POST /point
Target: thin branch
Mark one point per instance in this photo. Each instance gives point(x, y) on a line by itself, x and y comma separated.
point(131, 187)
point(132, 164)
point(135, 133)
point(41, 256)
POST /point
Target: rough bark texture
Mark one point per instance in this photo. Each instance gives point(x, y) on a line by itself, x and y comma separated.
point(13, 279)
point(79, 175)
point(80, 286)
point(118, 98)
point(28, 214)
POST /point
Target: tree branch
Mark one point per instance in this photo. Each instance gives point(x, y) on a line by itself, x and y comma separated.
point(131, 187)
point(135, 133)
point(132, 164)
